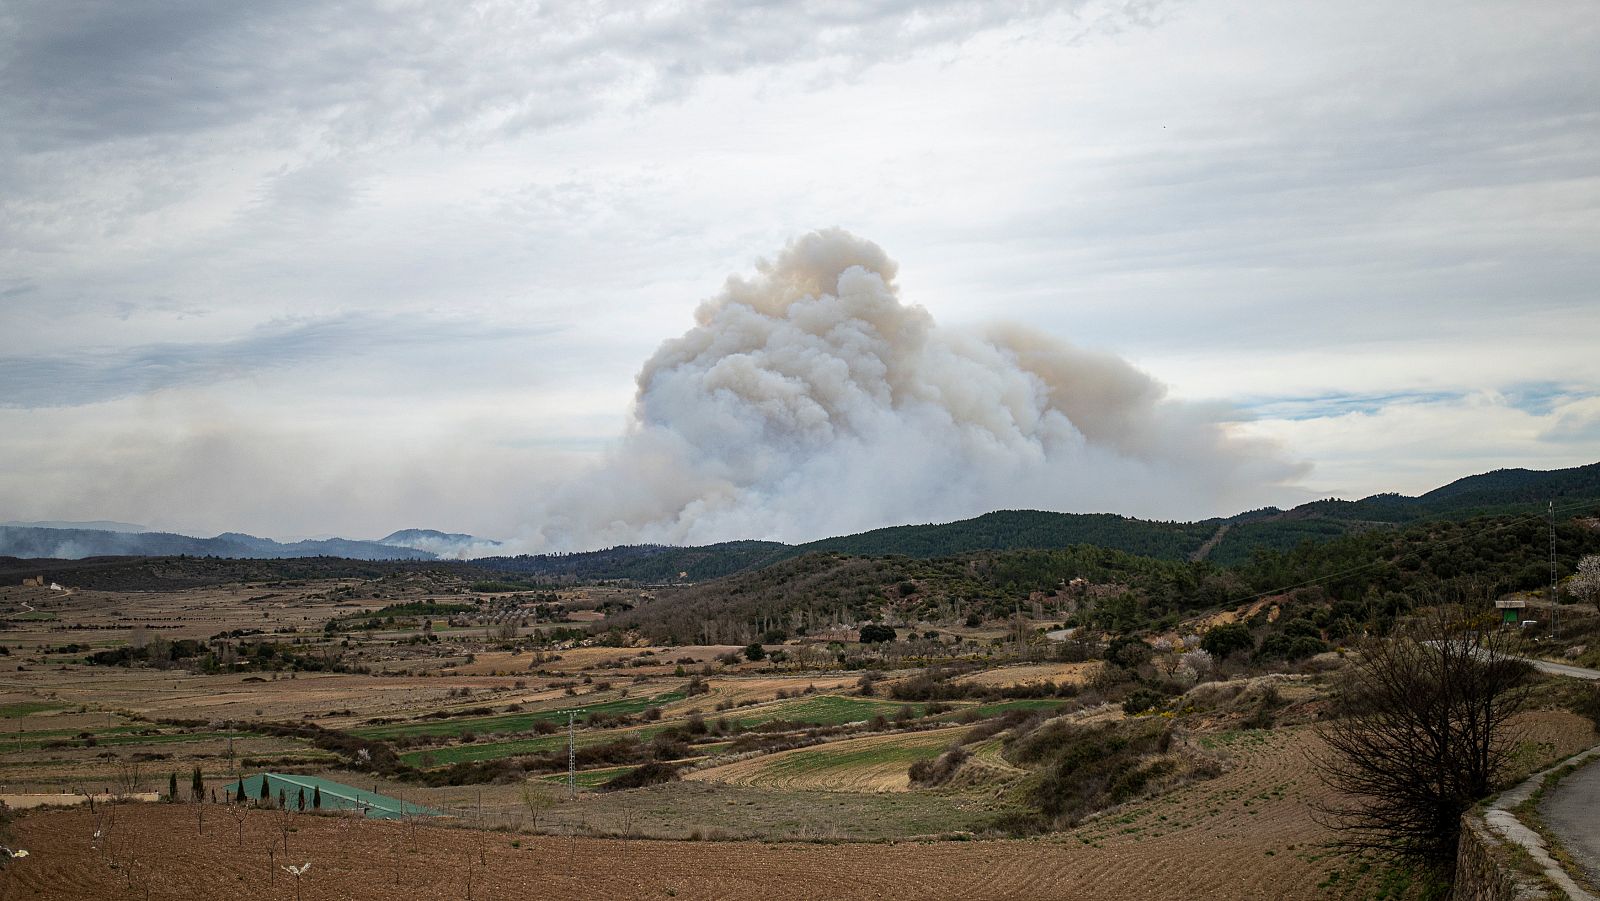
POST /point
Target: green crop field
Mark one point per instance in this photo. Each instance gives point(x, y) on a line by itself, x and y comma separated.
point(515, 722)
point(491, 750)
point(23, 708)
point(591, 778)
point(825, 710)
point(824, 758)
point(999, 707)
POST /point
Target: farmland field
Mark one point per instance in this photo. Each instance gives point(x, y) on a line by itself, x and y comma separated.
point(876, 763)
point(1245, 835)
point(710, 770)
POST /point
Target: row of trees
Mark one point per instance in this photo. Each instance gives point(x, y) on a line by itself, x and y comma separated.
point(264, 796)
point(236, 794)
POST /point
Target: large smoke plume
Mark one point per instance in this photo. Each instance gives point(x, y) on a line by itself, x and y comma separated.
point(811, 400)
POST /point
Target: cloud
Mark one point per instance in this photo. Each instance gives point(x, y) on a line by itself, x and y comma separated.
point(811, 400)
point(201, 461)
point(1415, 442)
point(134, 69)
point(1576, 422)
point(1333, 405)
point(88, 377)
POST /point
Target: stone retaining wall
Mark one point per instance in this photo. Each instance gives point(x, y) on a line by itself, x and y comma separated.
point(1483, 872)
point(1492, 836)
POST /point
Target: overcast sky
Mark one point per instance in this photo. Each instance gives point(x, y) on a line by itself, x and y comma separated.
point(300, 268)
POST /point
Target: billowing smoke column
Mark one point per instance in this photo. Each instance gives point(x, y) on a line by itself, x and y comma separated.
point(811, 401)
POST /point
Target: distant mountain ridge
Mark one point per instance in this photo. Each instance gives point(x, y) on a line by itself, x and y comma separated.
point(73, 544)
point(441, 544)
point(1222, 540)
point(99, 525)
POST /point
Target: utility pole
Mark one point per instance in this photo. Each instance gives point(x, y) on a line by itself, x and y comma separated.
point(1555, 605)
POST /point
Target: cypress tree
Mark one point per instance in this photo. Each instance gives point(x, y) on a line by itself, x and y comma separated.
point(302, 798)
point(316, 797)
point(266, 795)
point(197, 784)
point(281, 801)
point(172, 787)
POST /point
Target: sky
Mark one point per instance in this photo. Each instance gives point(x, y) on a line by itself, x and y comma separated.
point(297, 268)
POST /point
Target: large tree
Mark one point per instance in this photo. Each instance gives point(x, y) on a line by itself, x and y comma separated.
point(1421, 732)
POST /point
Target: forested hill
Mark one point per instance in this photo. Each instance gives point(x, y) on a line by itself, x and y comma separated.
point(1347, 586)
point(1506, 491)
point(645, 562)
point(1007, 529)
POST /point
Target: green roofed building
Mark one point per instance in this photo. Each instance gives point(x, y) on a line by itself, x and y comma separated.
point(335, 796)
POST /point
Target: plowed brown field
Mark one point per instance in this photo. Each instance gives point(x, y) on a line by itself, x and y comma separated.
point(1247, 834)
point(1244, 835)
point(172, 861)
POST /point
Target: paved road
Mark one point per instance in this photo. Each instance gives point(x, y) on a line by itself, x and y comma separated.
point(1570, 812)
point(1554, 669)
point(1562, 669)
point(1572, 809)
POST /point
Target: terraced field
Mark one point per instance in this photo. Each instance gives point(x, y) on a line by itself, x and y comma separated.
point(872, 763)
point(1031, 674)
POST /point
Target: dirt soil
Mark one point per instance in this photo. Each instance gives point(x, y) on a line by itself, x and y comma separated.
point(161, 855)
point(1245, 835)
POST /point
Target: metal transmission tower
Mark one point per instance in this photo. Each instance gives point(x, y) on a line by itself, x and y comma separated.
point(1555, 605)
point(572, 752)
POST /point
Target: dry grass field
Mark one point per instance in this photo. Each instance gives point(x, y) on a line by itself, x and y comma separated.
point(1031, 674)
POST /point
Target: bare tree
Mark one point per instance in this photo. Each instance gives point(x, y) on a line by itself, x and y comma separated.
point(240, 813)
point(538, 800)
point(1422, 731)
point(129, 779)
point(104, 820)
point(412, 819)
point(285, 826)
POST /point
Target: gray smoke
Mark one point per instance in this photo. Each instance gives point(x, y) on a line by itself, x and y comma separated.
point(811, 400)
